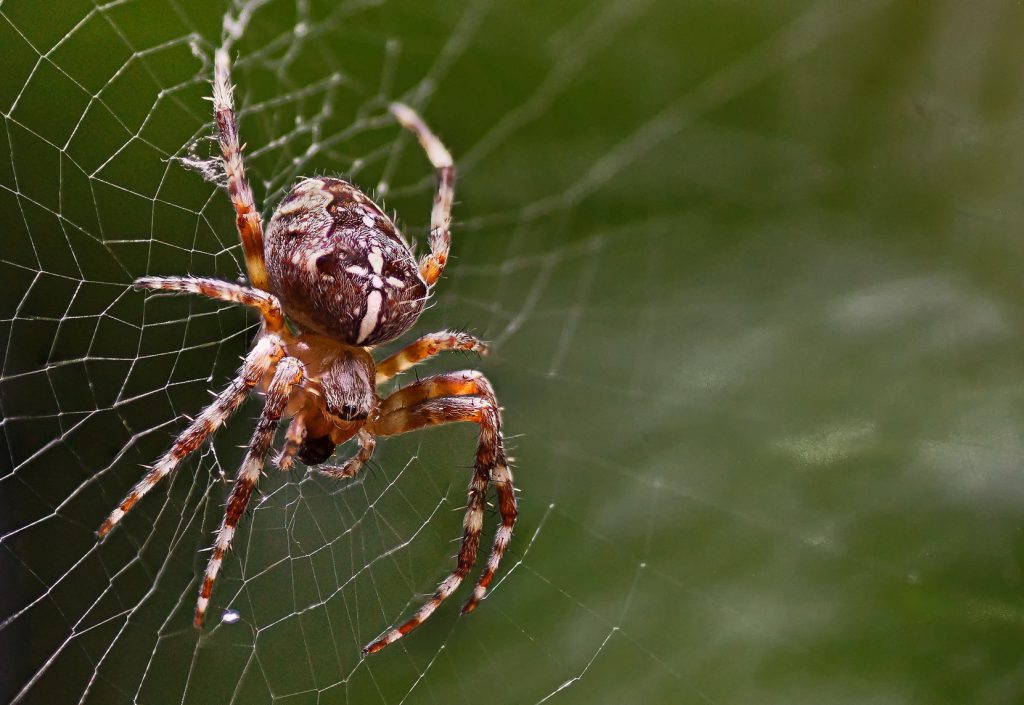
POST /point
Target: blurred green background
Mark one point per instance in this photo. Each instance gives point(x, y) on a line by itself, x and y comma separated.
point(752, 272)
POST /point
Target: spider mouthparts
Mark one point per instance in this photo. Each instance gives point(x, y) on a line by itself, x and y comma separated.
point(316, 450)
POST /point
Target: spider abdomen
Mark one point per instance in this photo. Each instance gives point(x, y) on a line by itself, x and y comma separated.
point(339, 266)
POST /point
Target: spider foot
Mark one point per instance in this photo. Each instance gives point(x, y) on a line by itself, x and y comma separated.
point(108, 524)
point(342, 472)
point(354, 464)
point(284, 461)
point(474, 600)
point(388, 638)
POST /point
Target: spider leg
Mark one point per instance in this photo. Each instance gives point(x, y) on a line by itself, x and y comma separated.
point(247, 218)
point(426, 347)
point(432, 265)
point(453, 397)
point(289, 373)
point(258, 362)
point(465, 383)
point(293, 440)
point(501, 478)
point(267, 304)
point(366, 445)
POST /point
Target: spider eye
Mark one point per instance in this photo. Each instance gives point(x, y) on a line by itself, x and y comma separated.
point(351, 412)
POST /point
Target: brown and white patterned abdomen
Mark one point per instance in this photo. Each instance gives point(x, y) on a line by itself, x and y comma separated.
point(339, 266)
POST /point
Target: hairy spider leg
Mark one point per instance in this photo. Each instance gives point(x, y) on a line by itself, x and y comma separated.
point(293, 439)
point(501, 479)
point(426, 347)
point(289, 373)
point(456, 384)
point(432, 265)
point(448, 398)
point(367, 443)
point(463, 383)
point(247, 217)
point(258, 362)
point(267, 304)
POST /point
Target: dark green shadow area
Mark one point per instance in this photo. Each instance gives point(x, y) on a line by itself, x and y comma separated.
point(753, 276)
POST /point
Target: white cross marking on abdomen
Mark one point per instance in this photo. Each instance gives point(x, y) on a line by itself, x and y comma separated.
point(375, 298)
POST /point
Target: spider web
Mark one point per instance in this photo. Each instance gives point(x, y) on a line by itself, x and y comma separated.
point(602, 149)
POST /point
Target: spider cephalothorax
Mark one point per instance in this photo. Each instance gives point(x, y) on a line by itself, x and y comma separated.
point(335, 265)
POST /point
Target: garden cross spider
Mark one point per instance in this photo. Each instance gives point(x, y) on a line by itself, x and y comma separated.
point(335, 265)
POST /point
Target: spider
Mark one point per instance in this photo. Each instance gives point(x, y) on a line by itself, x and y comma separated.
point(333, 278)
